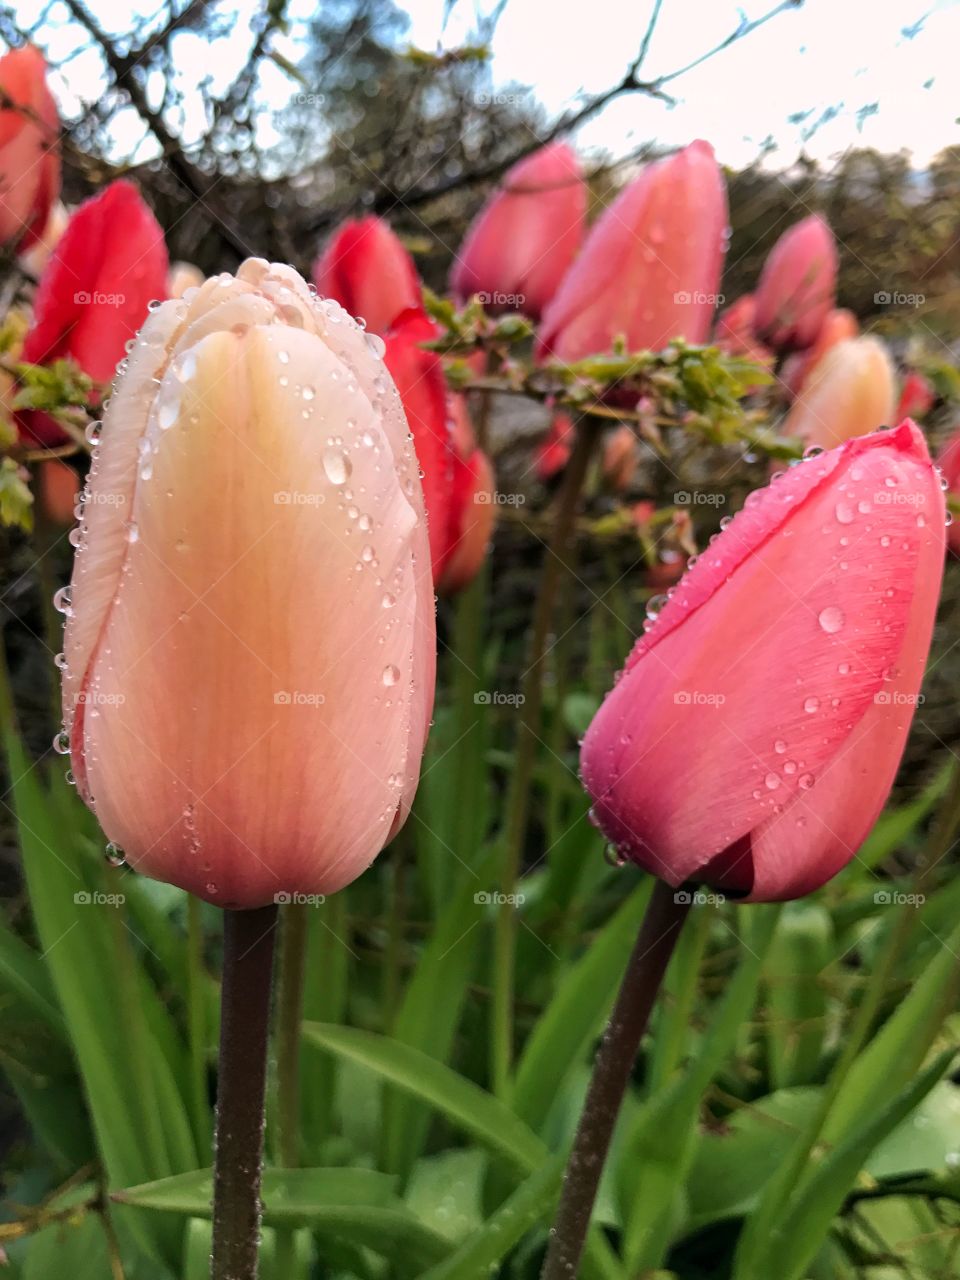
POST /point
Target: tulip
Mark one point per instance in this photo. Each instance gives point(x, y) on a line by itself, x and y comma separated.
point(949, 461)
point(369, 272)
point(797, 285)
point(454, 476)
point(35, 259)
point(181, 277)
point(797, 368)
point(733, 333)
point(525, 237)
point(250, 644)
point(57, 491)
point(650, 268)
point(917, 396)
point(620, 458)
point(850, 393)
point(111, 262)
point(756, 729)
point(29, 148)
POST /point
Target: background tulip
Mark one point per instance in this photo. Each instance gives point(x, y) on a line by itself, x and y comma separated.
point(777, 685)
point(620, 458)
point(110, 263)
point(553, 452)
point(850, 392)
point(29, 148)
point(917, 396)
point(181, 277)
point(797, 368)
point(797, 285)
point(369, 272)
point(526, 236)
point(250, 638)
point(453, 473)
point(650, 268)
point(949, 461)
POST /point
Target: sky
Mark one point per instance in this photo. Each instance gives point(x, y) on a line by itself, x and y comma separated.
point(819, 79)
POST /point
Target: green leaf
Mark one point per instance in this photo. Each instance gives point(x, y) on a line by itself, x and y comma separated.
point(467, 1106)
point(575, 1016)
point(800, 1232)
point(796, 998)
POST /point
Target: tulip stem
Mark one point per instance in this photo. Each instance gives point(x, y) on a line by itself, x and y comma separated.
point(518, 794)
point(248, 940)
point(292, 963)
point(648, 962)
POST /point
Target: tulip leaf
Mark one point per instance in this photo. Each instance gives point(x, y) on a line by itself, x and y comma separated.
point(798, 1234)
point(575, 1016)
point(796, 999)
point(467, 1106)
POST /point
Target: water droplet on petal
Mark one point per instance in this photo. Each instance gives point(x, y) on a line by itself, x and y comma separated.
point(831, 619)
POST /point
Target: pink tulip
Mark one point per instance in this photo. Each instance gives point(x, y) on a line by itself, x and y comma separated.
point(181, 277)
point(553, 452)
point(526, 236)
point(917, 396)
point(474, 515)
point(949, 461)
point(650, 269)
point(837, 327)
point(369, 272)
point(733, 333)
point(797, 285)
point(620, 458)
point(29, 148)
point(250, 637)
point(850, 393)
point(756, 729)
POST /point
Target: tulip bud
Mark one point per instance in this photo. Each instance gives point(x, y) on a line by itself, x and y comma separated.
point(553, 452)
point(111, 262)
point(838, 327)
point(753, 736)
point(620, 458)
point(29, 148)
point(850, 393)
point(444, 446)
point(733, 333)
point(650, 269)
point(250, 641)
point(181, 277)
point(525, 237)
point(57, 492)
point(917, 396)
point(797, 285)
point(369, 272)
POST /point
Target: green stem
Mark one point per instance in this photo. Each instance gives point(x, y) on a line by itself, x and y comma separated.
point(518, 794)
point(248, 940)
point(394, 880)
point(658, 935)
point(197, 1025)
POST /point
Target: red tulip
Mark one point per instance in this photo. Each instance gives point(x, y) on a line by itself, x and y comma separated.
point(797, 285)
point(756, 729)
point(29, 148)
point(369, 272)
point(733, 333)
point(526, 236)
point(111, 262)
point(917, 396)
point(650, 269)
point(455, 472)
point(837, 327)
point(57, 491)
point(250, 641)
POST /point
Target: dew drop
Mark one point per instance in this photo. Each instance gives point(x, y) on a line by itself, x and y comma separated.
point(844, 513)
point(115, 855)
point(831, 619)
point(61, 743)
point(391, 675)
point(337, 466)
point(811, 705)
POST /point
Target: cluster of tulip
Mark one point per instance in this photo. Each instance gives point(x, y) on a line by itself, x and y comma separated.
point(277, 490)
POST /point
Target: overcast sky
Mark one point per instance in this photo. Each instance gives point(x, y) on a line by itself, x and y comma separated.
point(878, 73)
